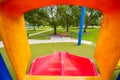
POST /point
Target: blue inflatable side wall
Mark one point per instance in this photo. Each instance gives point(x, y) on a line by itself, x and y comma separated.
point(118, 77)
point(4, 73)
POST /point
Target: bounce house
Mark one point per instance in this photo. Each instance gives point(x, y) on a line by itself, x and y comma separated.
point(14, 37)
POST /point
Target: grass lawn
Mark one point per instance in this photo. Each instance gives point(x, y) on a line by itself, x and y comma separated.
point(91, 35)
point(41, 28)
point(39, 36)
point(33, 31)
point(48, 48)
point(45, 35)
point(0, 39)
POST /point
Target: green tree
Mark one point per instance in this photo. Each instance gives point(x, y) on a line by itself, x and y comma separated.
point(69, 16)
point(42, 17)
point(31, 17)
point(91, 17)
point(68, 19)
point(53, 17)
point(37, 17)
point(65, 13)
point(76, 10)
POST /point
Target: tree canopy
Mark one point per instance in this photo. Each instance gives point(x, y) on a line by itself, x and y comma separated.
point(65, 16)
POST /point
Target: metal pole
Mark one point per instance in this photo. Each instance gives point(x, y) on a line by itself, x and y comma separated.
point(81, 25)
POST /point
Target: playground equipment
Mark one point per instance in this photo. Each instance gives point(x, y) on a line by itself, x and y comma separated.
point(14, 37)
point(81, 25)
point(63, 64)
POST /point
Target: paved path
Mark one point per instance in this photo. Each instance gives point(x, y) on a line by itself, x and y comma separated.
point(1, 44)
point(55, 39)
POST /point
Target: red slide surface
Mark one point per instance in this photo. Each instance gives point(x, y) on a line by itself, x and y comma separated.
point(64, 64)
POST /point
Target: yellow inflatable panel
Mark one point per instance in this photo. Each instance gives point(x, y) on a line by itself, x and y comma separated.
point(118, 64)
point(15, 41)
point(61, 78)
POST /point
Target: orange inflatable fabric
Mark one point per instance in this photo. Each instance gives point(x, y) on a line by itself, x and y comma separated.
point(13, 33)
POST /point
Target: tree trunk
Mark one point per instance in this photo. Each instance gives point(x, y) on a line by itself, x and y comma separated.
point(86, 25)
point(67, 28)
point(29, 27)
point(38, 26)
point(55, 30)
point(92, 26)
point(34, 28)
